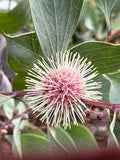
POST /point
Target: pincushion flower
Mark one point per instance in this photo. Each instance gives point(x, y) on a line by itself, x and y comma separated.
point(57, 85)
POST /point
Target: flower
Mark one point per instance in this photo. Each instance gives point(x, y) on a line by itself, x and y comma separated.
point(57, 85)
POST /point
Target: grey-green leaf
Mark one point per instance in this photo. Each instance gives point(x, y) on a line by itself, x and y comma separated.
point(23, 50)
point(4, 99)
point(117, 130)
point(82, 137)
point(112, 141)
point(105, 87)
point(106, 6)
point(60, 140)
point(91, 17)
point(8, 107)
point(19, 82)
point(55, 22)
point(104, 56)
point(114, 93)
point(16, 143)
point(33, 143)
point(15, 19)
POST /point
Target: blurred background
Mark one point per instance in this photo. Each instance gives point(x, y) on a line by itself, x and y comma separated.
point(91, 27)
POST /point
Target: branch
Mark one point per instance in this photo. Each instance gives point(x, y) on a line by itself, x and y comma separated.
point(101, 104)
point(14, 93)
point(112, 35)
point(14, 117)
point(17, 94)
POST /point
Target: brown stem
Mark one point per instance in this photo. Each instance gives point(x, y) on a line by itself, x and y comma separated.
point(14, 117)
point(88, 102)
point(101, 104)
point(14, 93)
point(112, 35)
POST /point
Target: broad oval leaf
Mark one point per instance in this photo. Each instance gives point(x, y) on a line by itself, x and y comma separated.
point(19, 81)
point(104, 56)
point(60, 140)
point(112, 141)
point(9, 107)
point(33, 143)
point(28, 143)
point(16, 141)
point(55, 22)
point(105, 87)
point(91, 17)
point(117, 131)
point(4, 99)
point(15, 19)
point(114, 93)
point(23, 50)
point(106, 7)
point(34, 130)
point(82, 137)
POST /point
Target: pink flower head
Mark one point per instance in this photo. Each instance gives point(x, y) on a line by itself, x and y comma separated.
point(57, 86)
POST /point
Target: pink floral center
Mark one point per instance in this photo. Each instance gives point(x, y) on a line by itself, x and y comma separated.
point(64, 86)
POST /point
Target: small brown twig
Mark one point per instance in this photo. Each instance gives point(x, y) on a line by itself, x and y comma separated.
point(112, 35)
point(14, 93)
point(88, 102)
point(14, 117)
point(101, 104)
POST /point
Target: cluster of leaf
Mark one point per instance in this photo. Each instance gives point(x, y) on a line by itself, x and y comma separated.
point(34, 141)
point(55, 22)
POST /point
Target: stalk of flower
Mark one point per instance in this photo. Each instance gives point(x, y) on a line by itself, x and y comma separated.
point(57, 85)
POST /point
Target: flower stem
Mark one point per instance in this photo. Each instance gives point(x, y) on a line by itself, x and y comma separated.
point(14, 117)
point(16, 94)
point(112, 35)
point(101, 104)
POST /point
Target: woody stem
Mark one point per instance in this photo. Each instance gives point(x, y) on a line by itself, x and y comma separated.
point(16, 94)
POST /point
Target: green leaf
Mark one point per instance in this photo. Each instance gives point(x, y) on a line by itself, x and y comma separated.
point(15, 19)
point(112, 141)
point(34, 143)
point(117, 130)
point(21, 108)
point(60, 140)
point(114, 76)
point(16, 143)
point(55, 22)
point(31, 142)
point(91, 21)
point(23, 51)
point(114, 93)
point(105, 88)
point(104, 56)
point(106, 7)
point(3, 99)
point(82, 137)
point(34, 130)
point(9, 107)
point(19, 82)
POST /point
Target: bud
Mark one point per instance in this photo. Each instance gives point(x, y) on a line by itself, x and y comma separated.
point(6, 127)
point(15, 113)
point(24, 116)
point(4, 131)
point(56, 89)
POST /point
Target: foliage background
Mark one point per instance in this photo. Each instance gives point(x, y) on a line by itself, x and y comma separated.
point(58, 29)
